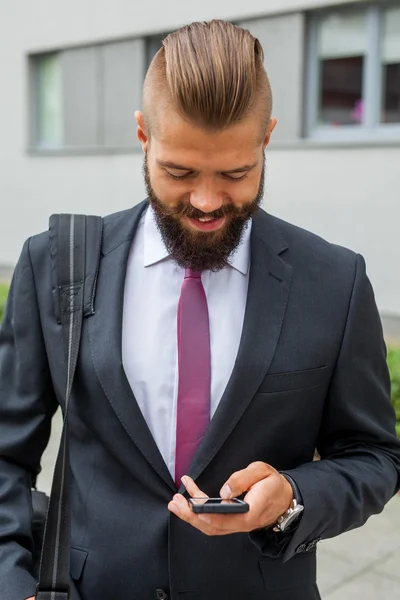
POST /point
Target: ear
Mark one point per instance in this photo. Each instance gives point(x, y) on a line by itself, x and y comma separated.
point(142, 136)
point(271, 127)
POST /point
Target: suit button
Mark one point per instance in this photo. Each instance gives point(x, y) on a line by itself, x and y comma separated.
point(312, 545)
point(301, 548)
point(160, 595)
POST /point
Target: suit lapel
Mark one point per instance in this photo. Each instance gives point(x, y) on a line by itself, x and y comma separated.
point(105, 331)
point(267, 297)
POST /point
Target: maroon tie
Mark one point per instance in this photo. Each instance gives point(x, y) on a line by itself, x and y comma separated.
point(194, 365)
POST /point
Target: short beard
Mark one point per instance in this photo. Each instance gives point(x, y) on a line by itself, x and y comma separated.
point(199, 250)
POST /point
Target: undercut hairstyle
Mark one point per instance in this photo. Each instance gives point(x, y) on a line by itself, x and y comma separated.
point(212, 74)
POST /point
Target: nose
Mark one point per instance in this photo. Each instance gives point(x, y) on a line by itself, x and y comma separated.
point(206, 198)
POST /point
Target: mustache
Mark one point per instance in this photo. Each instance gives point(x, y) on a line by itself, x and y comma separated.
point(187, 210)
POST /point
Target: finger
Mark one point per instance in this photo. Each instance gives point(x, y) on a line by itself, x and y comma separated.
point(192, 488)
point(179, 506)
point(225, 524)
point(243, 480)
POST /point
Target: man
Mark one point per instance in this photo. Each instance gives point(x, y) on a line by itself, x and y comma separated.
point(226, 346)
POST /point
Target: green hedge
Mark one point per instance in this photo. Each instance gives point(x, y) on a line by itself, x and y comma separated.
point(394, 367)
point(393, 362)
point(3, 297)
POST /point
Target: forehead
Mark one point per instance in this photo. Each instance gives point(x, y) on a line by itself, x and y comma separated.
point(185, 143)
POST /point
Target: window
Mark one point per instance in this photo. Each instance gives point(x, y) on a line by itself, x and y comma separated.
point(391, 66)
point(85, 98)
point(47, 81)
point(342, 44)
point(354, 74)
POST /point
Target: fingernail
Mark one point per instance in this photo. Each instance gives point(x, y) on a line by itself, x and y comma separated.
point(174, 509)
point(226, 492)
point(184, 480)
point(204, 518)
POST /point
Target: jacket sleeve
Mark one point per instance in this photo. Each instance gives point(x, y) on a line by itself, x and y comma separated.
point(27, 404)
point(360, 453)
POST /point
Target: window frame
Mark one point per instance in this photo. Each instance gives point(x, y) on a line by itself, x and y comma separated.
point(371, 128)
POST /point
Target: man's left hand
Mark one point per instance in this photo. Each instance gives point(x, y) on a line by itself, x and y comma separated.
point(269, 496)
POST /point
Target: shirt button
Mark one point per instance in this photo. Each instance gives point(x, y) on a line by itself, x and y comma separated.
point(160, 595)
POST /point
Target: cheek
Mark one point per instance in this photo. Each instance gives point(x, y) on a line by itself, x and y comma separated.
point(242, 193)
point(246, 190)
point(169, 191)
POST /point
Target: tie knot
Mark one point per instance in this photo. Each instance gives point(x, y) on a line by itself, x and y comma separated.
point(190, 274)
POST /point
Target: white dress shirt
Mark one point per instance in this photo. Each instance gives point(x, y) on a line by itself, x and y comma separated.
point(149, 334)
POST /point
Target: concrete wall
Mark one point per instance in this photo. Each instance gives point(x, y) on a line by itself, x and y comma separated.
point(347, 194)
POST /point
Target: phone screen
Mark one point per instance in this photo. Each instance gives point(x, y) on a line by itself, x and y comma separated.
point(213, 501)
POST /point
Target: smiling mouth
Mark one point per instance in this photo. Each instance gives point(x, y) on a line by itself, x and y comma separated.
point(207, 223)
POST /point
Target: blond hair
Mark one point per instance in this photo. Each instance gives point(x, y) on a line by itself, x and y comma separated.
point(212, 73)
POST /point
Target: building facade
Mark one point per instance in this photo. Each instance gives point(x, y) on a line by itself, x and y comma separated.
point(71, 78)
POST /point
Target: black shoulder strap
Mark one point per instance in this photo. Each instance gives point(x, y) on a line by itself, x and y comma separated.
point(75, 250)
point(92, 251)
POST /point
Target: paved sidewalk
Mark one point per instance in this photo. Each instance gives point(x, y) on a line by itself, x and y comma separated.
point(363, 564)
point(360, 565)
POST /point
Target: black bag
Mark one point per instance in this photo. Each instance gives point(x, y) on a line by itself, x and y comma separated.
point(75, 242)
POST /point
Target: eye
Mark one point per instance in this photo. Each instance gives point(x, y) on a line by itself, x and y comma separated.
point(235, 177)
point(178, 177)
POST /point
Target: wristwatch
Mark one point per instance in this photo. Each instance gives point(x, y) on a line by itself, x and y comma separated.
point(290, 517)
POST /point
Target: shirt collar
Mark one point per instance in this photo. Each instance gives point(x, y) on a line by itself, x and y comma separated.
point(155, 250)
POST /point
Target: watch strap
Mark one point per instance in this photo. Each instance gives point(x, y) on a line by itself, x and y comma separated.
point(296, 492)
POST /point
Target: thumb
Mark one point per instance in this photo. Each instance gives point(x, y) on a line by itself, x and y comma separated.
point(241, 481)
point(192, 488)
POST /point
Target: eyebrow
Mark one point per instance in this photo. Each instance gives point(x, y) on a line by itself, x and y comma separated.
point(171, 165)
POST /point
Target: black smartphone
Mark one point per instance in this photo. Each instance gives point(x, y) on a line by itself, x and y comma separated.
point(218, 505)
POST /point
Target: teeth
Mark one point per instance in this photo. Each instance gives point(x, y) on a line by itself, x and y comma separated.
point(206, 219)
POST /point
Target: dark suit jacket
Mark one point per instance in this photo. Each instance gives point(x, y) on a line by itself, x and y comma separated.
point(310, 373)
